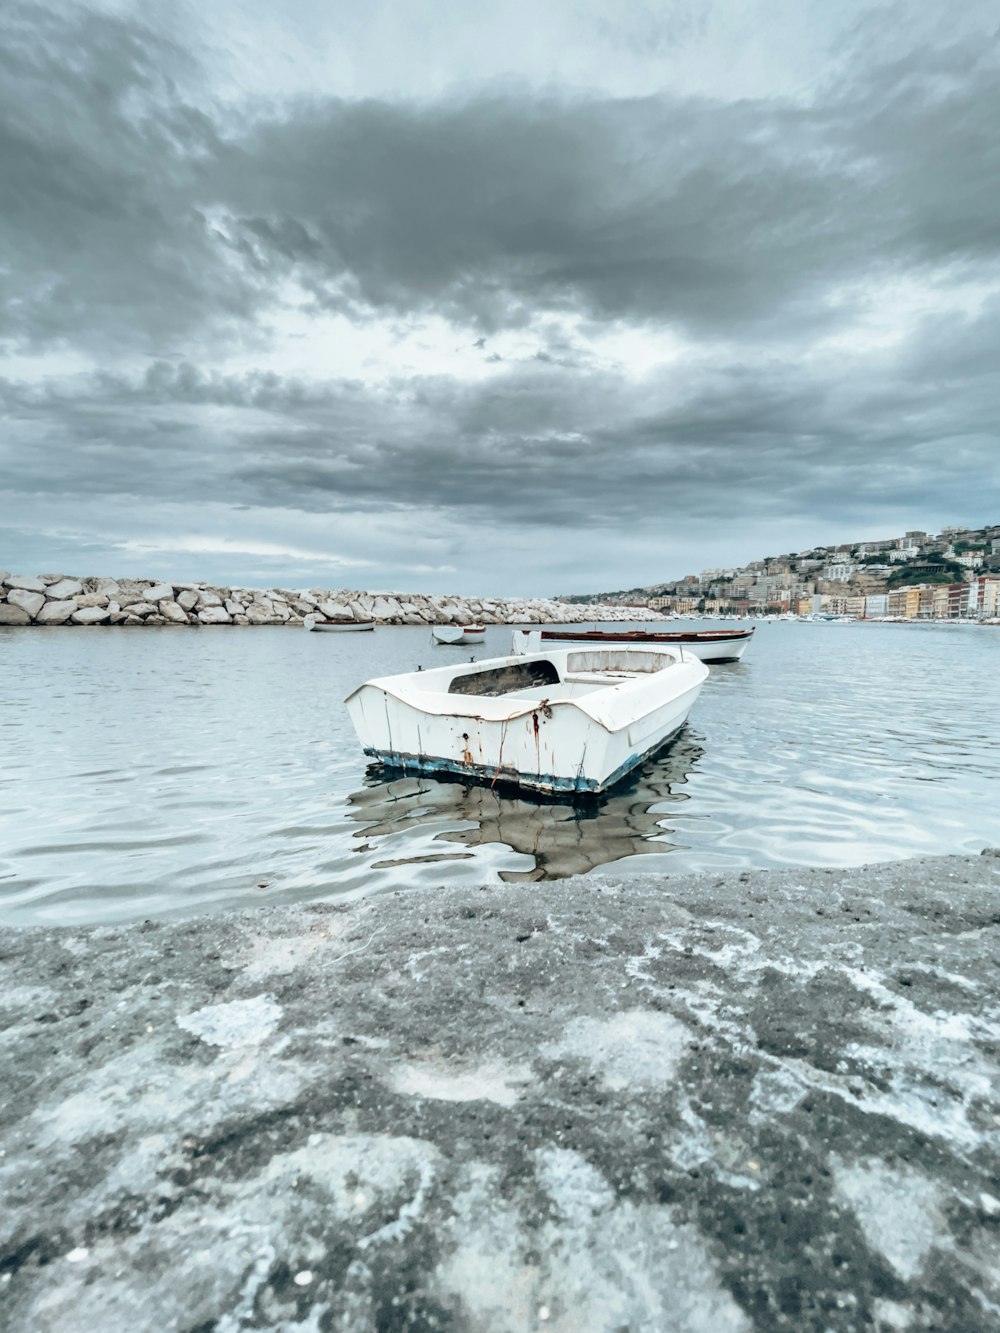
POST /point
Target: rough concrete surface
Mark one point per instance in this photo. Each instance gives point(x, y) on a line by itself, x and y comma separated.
point(741, 1101)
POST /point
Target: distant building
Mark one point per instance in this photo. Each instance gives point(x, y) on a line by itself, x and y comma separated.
point(961, 599)
point(987, 594)
point(839, 571)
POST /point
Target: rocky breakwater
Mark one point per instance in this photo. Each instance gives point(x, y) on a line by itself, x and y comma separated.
point(58, 599)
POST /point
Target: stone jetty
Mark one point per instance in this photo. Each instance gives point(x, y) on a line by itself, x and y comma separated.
point(58, 599)
point(722, 1103)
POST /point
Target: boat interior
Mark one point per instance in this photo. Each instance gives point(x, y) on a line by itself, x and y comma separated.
point(584, 672)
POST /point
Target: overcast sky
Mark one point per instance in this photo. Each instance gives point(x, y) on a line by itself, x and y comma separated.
point(507, 298)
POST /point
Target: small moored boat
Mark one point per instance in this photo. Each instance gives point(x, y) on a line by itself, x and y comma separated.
point(709, 645)
point(459, 634)
point(566, 720)
point(336, 626)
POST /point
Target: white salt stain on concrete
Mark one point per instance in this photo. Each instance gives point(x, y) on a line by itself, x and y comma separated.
point(486, 1268)
point(138, 1094)
point(577, 1189)
point(898, 1209)
point(128, 1093)
point(596, 1264)
point(356, 1171)
point(491, 1081)
point(637, 1048)
point(775, 1092)
point(284, 953)
point(892, 1314)
point(237, 1023)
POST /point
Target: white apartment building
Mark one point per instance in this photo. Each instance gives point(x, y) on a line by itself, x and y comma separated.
point(840, 571)
point(715, 575)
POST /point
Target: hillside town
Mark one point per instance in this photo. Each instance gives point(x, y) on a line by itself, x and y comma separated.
point(950, 575)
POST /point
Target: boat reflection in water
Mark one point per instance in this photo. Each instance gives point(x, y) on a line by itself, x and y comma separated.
point(564, 837)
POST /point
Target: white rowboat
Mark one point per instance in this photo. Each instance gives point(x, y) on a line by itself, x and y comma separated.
point(336, 626)
point(569, 720)
point(459, 634)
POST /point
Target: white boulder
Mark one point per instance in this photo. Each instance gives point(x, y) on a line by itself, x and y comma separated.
point(336, 611)
point(129, 594)
point(386, 608)
point(188, 599)
point(32, 602)
point(140, 609)
point(65, 588)
point(160, 592)
point(25, 582)
point(90, 615)
point(208, 598)
point(88, 600)
point(172, 612)
point(55, 613)
point(214, 615)
point(10, 614)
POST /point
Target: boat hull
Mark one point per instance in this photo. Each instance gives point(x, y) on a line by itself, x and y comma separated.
point(585, 741)
point(548, 784)
point(459, 634)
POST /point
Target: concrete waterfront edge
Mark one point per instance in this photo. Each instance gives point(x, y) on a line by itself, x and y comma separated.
point(58, 599)
point(734, 1101)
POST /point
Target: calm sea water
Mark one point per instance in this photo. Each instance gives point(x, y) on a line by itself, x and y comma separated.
point(158, 771)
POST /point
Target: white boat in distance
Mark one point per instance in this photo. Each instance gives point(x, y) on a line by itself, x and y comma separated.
point(570, 720)
point(336, 626)
point(710, 645)
point(459, 634)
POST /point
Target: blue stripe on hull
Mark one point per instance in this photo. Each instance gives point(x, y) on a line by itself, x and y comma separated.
point(545, 782)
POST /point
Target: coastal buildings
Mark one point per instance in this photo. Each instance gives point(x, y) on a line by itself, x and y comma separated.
point(950, 575)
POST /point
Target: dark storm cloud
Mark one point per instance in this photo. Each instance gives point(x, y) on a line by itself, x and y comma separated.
point(102, 236)
point(675, 210)
point(130, 210)
point(536, 444)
